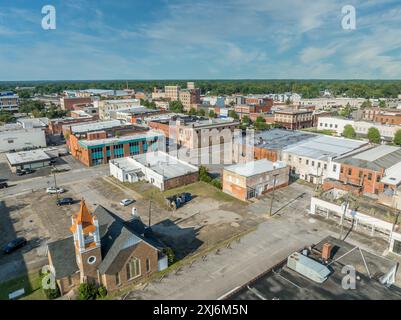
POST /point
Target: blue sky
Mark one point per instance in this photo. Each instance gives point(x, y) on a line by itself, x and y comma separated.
point(203, 39)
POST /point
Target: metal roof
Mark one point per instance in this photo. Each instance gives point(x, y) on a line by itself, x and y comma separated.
point(377, 158)
point(278, 139)
point(160, 162)
point(324, 147)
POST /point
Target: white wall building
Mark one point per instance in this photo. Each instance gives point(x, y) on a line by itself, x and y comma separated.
point(105, 106)
point(312, 160)
point(387, 132)
point(157, 168)
point(323, 103)
point(14, 137)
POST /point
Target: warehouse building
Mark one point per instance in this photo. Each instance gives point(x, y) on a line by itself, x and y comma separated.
point(32, 159)
point(158, 168)
point(14, 138)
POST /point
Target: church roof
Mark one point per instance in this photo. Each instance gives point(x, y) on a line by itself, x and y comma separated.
point(62, 254)
point(84, 218)
point(116, 237)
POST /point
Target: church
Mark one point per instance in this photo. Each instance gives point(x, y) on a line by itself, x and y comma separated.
point(105, 250)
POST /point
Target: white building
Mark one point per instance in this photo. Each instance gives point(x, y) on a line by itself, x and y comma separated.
point(106, 106)
point(324, 103)
point(312, 160)
point(9, 101)
point(14, 137)
point(387, 132)
point(158, 168)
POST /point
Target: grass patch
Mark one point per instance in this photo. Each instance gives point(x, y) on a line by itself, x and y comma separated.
point(199, 189)
point(30, 282)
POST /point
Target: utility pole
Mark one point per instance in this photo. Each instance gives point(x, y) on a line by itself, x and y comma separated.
point(343, 216)
point(274, 189)
point(55, 182)
point(150, 212)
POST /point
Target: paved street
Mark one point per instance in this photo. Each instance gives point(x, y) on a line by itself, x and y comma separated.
point(63, 179)
point(289, 230)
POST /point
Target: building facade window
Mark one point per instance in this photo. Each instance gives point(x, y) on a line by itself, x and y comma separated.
point(369, 176)
point(133, 268)
point(118, 279)
point(147, 265)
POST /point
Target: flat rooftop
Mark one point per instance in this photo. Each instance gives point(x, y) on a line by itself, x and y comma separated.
point(323, 147)
point(253, 168)
point(277, 139)
point(160, 162)
point(282, 283)
point(94, 126)
point(122, 139)
point(24, 157)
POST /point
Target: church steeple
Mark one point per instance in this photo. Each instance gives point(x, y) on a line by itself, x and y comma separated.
point(85, 228)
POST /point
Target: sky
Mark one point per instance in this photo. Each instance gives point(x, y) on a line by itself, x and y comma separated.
point(203, 39)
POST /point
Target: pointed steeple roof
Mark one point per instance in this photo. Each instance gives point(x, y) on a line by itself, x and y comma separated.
point(84, 218)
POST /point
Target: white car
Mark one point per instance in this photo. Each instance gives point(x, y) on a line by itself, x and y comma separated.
point(126, 202)
point(53, 190)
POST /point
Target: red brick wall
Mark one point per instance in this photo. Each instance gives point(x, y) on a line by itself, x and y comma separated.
point(140, 251)
point(369, 178)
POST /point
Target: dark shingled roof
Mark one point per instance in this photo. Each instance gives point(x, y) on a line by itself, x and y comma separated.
point(63, 257)
point(116, 235)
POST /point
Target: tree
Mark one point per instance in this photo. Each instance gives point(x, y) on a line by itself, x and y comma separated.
point(88, 291)
point(201, 112)
point(397, 138)
point(233, 114)
point(260, 123)
point(366, 104)
point(349, 132)
point(176, 106)
point(6, 117)
point(382, 104)
point(192, 112)
point(347, 111)
point(212, 114)
point(374, 135)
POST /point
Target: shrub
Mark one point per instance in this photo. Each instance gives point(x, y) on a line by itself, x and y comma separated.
point(87, 291)
point(374, 135)
point(101, 292)
point(49, 293)
point(217, 183)
point(170, 255)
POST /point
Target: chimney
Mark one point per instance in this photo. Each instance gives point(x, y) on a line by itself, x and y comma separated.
point(326, 252)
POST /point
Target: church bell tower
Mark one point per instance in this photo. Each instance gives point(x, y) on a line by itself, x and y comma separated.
point(85, 228)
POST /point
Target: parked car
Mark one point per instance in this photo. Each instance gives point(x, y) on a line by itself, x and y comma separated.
point(20, 172)
point(3, 185)
point(65, 201)
point(14, 245)
point(28, 171)
point(126, 202)
point(54, 190)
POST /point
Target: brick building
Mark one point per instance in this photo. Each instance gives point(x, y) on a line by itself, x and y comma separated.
point(253, 179)
point(68, 103)
point(99, 142)
point(189, 98)
point(373, 170)
point(294, 119)
point(195, 132)
point(105, 250)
